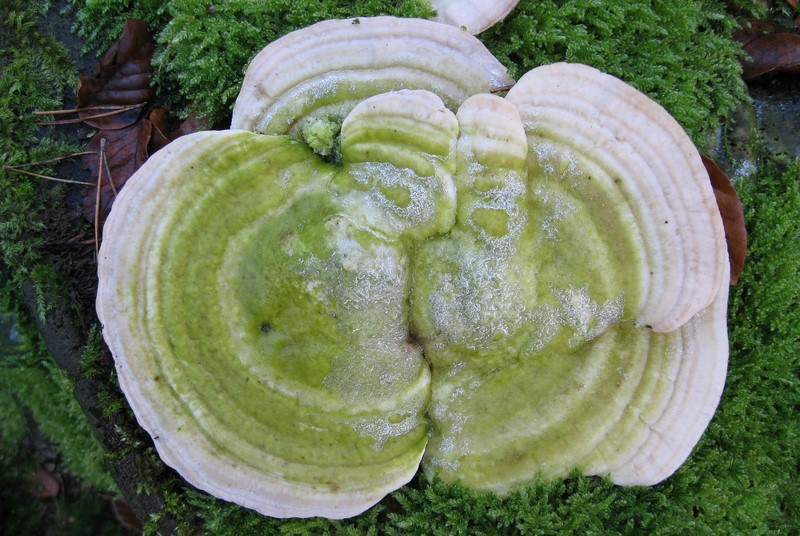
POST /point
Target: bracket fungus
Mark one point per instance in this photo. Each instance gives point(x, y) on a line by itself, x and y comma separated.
point(474, 16)
point(489, 288)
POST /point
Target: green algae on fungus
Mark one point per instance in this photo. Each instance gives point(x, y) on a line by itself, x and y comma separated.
point(496, 288)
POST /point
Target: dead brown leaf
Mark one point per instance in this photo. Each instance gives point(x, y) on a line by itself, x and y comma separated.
point(730, 207)
point(121, 78)
point(191, 124)
point(48, 483)
point(161, 133)
point(125, 516)
point(126, 149)
point(125, 152)
point(770, 47)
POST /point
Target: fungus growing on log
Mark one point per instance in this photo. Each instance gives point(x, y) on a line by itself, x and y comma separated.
point(489, 288)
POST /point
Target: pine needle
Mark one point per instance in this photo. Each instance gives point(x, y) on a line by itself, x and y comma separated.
point(18, 168)
point(97, 198)
point(46, 177)
point(114, 111)
point(51, 160)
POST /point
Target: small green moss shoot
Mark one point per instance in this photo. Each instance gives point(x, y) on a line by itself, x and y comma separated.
point(91, 353)
point(322, 135)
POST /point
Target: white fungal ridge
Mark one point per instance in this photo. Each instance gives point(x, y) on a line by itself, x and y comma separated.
point(555, 162)
point(365, 287)
point(376, 369)
point(354, 275)
point(558, 166)
point(285, 176)
point(456, 443)
point(584, 315)
point(480, 302)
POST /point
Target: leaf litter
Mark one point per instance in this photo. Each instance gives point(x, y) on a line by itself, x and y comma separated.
point(134, 128)
point(770, 47)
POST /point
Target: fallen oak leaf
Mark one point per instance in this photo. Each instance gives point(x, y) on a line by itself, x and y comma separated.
point(755, 29)
point(732, 212)
point(112, 101)
point(161, 135)
point(774, 53)
point(193, 123)
point(121, 78)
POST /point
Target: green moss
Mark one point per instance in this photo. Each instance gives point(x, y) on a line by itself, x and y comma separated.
point(76, 507)
point(99, 23)
point(322, 135)
point(91, 353)
point(678, 53)
point(35, 70)
point(30, 377)
point(757, 424)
